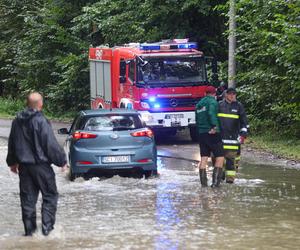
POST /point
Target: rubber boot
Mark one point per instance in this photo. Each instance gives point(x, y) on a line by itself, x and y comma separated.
point(216, 177)
point(203, 177)
point(30, 227)
point(230, 179)
point(47, 229)
point(230, 171)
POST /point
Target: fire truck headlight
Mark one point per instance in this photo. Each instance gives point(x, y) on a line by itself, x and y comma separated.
point(145, 105)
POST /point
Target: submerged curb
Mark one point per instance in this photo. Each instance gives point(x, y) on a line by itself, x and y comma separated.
point(178, 158)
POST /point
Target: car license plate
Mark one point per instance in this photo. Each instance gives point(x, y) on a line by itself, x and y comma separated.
point(176, 116)
point(115, 159)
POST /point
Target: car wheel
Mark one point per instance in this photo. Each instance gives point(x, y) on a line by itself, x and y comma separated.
point(150, 173)
point(72, 176)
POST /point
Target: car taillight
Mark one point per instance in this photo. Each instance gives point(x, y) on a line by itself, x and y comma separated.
point(84, 162)
point(82, 135)
point(145, 132)
point(145, 160)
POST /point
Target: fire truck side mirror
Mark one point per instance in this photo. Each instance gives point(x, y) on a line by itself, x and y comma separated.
point(122, 79)
point(214, 70)
point(122, 71)
point(214, 66)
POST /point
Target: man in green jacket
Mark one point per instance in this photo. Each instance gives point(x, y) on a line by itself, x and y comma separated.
point(210, 140)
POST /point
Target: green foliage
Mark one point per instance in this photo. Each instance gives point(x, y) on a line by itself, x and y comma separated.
point(44, 45)
point(283, 146)
point(72, 90)
point(10, 107)
point(13, 16)
point(269, 59)
point(122, 22)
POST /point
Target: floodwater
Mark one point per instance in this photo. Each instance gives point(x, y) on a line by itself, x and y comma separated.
point(260, 211)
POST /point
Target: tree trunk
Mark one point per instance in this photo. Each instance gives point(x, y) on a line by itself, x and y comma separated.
point(232, 46)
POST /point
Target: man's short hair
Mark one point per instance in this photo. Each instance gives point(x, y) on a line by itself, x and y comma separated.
point(33, 99)
point(231, 91)
point(210, 90)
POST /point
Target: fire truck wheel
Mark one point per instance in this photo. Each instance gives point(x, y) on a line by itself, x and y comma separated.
point(193, 134)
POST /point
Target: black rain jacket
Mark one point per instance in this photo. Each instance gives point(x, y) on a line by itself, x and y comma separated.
point(233, 120)
point(32, 141)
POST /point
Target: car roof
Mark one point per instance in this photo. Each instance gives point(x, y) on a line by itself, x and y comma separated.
point(92, 112)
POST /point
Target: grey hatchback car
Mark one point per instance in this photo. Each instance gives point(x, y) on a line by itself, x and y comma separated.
point(109, 142)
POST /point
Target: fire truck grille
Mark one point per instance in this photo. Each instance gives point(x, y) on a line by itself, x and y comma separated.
point(172, 102)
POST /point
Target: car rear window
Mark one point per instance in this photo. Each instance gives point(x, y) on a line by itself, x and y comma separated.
point(112, 122)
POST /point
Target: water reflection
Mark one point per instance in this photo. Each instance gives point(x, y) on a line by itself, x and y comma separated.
point(167, 217)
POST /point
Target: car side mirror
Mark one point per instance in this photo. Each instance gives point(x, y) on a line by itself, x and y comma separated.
point(144, 124)
point(63, 131)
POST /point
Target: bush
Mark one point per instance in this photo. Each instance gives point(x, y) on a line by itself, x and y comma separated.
point(9, 106)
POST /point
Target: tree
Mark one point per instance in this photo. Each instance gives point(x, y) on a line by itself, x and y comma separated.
point(13, 15)
point(269, 59)
point(122, 22)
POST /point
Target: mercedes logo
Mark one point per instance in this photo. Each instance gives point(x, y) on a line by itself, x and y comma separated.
point(114, 136)
point(173, 103)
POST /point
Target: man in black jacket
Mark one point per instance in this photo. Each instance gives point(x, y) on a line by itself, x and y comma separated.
point(32, 148)
point(234, 129)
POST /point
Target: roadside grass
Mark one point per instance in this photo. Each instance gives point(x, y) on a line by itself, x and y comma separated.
point(65, 117)
point(279, 145)
point(10, 107)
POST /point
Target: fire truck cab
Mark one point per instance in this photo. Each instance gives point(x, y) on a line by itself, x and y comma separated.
point(163, 81)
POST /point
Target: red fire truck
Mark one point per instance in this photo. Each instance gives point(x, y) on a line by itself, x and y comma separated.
point(163, 81)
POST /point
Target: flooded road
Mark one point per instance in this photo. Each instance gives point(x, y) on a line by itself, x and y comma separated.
point(260, 211)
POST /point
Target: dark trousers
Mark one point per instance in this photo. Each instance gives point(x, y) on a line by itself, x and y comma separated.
point(35, 178)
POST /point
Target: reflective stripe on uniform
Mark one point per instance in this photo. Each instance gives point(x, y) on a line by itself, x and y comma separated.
point(229, 115)
point(231, 141)
point(231, 147)
point(230, 173)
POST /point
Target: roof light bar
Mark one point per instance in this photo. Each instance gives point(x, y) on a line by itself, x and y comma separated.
point(187, 46)
point(172, 46)
point(146, 46)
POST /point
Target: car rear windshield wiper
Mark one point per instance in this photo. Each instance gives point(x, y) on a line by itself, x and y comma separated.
point(122, 128)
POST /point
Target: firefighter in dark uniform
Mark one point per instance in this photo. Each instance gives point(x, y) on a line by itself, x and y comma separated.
point(32, 148)
point(234, 129)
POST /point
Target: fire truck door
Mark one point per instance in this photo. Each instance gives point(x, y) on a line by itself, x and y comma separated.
point(131, 78)
point(127, 76)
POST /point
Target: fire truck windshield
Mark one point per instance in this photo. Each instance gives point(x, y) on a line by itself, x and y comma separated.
point(179, 71)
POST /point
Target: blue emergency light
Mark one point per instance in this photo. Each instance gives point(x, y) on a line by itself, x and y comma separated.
point(188, 46)
point(149, 47)
point(172, 46)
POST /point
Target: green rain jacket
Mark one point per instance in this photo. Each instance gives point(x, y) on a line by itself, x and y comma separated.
point(206, 115)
